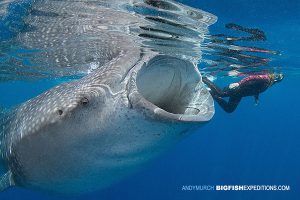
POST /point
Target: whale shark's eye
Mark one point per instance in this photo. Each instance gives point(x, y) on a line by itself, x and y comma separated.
point(60, 112)
point(84, 101)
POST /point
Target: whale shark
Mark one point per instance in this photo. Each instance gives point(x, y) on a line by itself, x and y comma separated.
point(137, 91)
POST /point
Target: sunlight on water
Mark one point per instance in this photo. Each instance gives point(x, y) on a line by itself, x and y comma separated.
point(53, 39)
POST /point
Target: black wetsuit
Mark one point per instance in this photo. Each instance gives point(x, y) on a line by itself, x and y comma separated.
point(250, 86)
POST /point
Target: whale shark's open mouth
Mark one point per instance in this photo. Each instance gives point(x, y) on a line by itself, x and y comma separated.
point(172, 88)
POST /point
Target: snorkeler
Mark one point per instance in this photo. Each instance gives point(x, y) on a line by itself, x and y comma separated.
point(252, 85)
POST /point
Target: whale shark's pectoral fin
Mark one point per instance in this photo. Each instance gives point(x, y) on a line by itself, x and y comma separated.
point(2, 112)
point(6, 180)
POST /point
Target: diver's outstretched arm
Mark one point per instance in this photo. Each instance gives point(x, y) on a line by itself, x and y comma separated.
point(215, 90)
point(229, 106)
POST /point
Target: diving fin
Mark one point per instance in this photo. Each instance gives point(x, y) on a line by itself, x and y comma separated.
point(6, 180)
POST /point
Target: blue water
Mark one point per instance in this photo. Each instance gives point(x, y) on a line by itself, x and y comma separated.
point(256, 145)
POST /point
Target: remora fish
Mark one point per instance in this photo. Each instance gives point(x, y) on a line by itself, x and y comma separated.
point(144, 96)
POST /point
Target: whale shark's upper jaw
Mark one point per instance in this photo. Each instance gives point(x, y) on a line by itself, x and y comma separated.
point(170, 88)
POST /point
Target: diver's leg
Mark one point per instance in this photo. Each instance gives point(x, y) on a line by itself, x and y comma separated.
point(229, 106)
point(215, 90)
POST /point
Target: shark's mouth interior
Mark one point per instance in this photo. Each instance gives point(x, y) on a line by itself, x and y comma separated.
point(173, 85)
